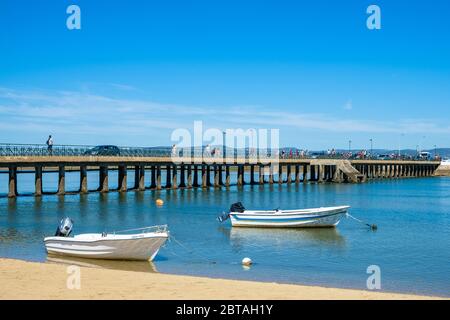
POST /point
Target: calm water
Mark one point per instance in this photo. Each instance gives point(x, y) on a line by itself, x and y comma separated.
point(411, 245)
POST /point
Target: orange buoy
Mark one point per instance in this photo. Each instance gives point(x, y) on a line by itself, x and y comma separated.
point(159, 202)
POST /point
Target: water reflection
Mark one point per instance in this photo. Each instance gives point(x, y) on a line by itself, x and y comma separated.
point(282, 238)
point(137, 266)
point(13, 236)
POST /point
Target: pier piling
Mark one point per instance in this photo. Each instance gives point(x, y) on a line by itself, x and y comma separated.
point(186, 174)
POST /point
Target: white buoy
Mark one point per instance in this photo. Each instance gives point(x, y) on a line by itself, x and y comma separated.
point(246, 261)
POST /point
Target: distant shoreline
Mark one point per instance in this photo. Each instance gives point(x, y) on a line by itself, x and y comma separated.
point(34, 280)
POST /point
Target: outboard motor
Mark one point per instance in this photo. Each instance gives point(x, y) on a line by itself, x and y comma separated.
point(237, 207)
point(224, 216)
point(65, 227)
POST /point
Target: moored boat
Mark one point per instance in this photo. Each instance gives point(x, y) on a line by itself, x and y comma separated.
point(142, 244)
point(301, 218)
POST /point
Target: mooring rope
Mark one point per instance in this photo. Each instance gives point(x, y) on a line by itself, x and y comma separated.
point(371, 226)
point(191, 251)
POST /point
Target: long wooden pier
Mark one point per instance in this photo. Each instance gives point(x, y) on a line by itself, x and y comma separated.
point(193, 173)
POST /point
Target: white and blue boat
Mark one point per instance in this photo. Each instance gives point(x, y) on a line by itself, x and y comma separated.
point(301, 218)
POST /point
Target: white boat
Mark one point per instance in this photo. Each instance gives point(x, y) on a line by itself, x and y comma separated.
point(144, 244)
point(302, 218)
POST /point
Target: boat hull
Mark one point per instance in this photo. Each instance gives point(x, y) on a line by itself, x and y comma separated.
point(311, 218)
point(143, 247)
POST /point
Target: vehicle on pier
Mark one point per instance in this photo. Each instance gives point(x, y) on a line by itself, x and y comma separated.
point(107, 150)
point(424, 155)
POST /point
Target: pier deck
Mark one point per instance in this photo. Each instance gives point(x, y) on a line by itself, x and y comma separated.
point(196, 173)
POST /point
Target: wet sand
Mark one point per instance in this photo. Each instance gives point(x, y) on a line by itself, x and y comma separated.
point(33, 280)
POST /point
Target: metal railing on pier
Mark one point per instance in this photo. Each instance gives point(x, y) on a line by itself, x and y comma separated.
point(30, 150)
point(7, 149)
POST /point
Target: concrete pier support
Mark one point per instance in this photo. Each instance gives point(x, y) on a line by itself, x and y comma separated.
point(280, 174)
point(158, 178)
point(288, 174)
point(174, 177)
point(326, 173)
point(122, 177)
point(204, 176)
point(220, 169)
point(168, 177)
point(208, 176)
point(152, 177)
point(139, 178)
point(312, 173)
point(240, 175)
point(261, 174)
point(305, 173)
point(271, 173)
point(216, 176)
point(83, 179)
point(195, 183)
point(189, 177)
point(182, 176)
point(61, 180)
point(252, 174)
point(337, 176)
point(320, 177)
point(227, 176)
point(12, 182)
point(297, 174)
point(103, 183)
point(38, 181)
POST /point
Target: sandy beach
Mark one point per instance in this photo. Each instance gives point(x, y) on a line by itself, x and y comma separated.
point(32, 280)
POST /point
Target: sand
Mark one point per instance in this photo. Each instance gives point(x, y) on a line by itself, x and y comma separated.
point(32, 280)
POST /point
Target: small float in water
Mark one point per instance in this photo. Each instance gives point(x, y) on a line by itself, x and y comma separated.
point(133, 244)
point(301, 218)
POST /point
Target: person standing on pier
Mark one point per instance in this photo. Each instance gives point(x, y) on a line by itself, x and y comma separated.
point(50, 145)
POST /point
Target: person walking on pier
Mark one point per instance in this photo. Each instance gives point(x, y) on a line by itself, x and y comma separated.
point(174, 150)
point(50, 145)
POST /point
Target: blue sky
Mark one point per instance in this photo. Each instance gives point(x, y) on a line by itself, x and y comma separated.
point(137, 70)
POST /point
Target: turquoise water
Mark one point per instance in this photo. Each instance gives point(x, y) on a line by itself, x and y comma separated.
point(411, 245)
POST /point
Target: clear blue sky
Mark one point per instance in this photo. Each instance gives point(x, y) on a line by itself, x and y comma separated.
point(137, 70)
